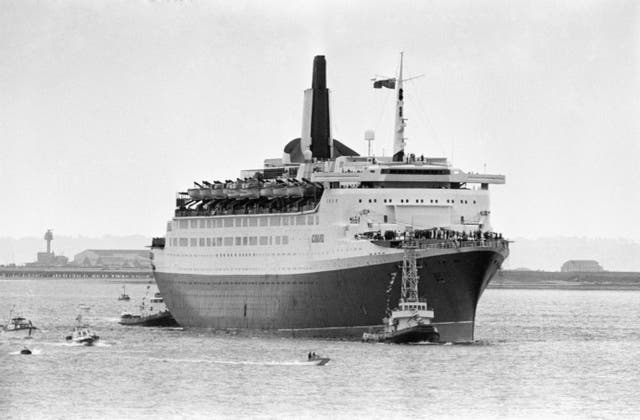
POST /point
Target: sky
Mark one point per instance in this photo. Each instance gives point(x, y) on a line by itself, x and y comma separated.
point(107, 109)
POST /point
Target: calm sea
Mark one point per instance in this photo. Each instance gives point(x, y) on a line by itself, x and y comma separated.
point(539, 354)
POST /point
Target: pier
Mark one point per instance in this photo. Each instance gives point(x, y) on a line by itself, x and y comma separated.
point(17, 272)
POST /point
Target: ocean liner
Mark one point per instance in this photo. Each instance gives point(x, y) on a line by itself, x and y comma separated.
point(310, 244)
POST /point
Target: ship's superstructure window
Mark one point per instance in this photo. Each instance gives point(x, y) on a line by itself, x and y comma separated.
point(285, 221)
point(201, 241)
point(416, 171)
point(202, 224)
point(253, 240)
point(194, 224)
point(228, 240)
point(264, 240)
point(193, 242)
point(253, 221)
point(264, 221)
point(318, 237)
point(300, 220)
point(228, 222)
point(184, 224)
point(218, 241)
point(275, 220)
point(184, 242)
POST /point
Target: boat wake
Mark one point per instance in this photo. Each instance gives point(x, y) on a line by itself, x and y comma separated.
point(238, 362)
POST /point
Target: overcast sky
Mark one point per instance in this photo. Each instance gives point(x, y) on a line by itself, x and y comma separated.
point(108, 108)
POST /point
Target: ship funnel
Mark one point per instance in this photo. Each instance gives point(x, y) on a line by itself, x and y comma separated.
point(316, 121)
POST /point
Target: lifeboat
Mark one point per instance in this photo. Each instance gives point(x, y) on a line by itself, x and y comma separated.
point(251, 189)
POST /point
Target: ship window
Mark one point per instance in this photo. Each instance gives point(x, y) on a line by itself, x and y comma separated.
point(228, 222)
point(310, 220)
point(360, 200)
point(194, 224)
point(436, 201)
point(285, 220)
point(300, 220)
point(219, 223)
point(277, 240)
point(238, 240)
point(193, 242)
point(431, 201)
point(245, 222)
point(264, 240)
point(285, 240)
point(264, 221)
point(202, 224)
point(474, 201)
point(184, 242)
point(253, 240)
point(245, 240)
point(184, 224)
point(238, 222)
point(369, 200)
point(417, 201)
point(317, 219)
point(209, 224)
point(385, 218)
point(253, 222)
point(318, 237)
point(208, 241)
point(275, 220)
point(201, 241)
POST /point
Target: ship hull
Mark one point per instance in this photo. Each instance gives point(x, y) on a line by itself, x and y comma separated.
point(339, 303)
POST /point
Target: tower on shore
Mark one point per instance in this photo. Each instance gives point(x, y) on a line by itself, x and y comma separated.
point(48, 236)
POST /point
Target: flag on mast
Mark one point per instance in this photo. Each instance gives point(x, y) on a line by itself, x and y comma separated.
point(388, 83)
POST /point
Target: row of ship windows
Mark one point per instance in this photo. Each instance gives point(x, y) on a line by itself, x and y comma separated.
point(298, 220)
point(238, 241)
point(417, 201)
point(230, 241)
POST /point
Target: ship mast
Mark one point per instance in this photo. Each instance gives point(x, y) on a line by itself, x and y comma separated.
point(399, 139)
point(409, 290)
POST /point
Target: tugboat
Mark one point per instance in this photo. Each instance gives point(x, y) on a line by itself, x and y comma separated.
point(124, 295)
point(410, 322)
point(155, 314)
point(18, 323)
point(82, 334)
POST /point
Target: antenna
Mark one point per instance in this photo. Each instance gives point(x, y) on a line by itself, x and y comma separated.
point(369, 136)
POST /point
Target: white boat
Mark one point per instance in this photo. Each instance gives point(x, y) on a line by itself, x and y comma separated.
point(82, 333)
point(18, 323)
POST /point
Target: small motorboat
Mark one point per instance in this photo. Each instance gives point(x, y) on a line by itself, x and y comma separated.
point(82, 335)
point(17, 323)
point(124, 295)
point(317, 360)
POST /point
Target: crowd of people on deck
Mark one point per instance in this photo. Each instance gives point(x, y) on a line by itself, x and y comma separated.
point(432, 234)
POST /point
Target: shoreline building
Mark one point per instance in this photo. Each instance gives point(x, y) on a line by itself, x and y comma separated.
point(113, 258)
point(588, 266)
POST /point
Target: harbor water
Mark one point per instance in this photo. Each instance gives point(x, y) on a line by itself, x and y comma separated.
point(538, 354)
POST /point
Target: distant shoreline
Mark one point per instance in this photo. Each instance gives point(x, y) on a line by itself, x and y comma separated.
point(603, 280)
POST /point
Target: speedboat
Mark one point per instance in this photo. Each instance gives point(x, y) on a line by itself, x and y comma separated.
point(82, 334)
point(317, 360)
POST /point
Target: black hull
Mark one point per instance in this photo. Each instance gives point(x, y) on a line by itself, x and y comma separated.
point(162, 319)
point(340, 303)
